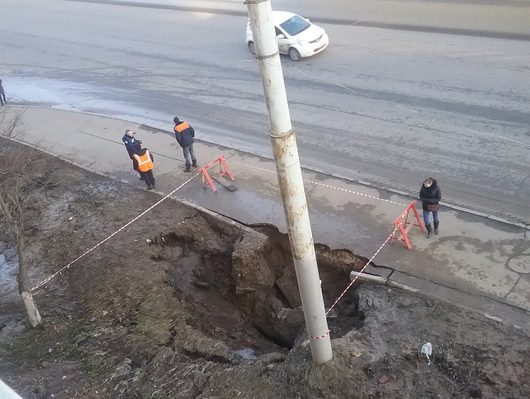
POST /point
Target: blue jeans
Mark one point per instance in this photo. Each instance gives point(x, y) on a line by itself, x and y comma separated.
point(189, 154)
point(426, 216)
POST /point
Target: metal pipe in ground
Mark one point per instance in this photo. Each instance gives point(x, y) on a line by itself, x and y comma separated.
point(290, 180)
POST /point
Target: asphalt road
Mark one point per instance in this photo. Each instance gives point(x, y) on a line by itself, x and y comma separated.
point(392, 100)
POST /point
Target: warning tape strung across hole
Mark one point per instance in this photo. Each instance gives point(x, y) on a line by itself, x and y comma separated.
point(332, 187)
point(360, 272)
point(373, 256)
point(51, 277)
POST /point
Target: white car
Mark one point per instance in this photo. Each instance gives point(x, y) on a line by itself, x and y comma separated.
point(297, 37)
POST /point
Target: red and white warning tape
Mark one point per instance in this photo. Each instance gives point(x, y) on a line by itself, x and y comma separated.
point(345, 190)
point(51, 277)
point(360, 272)
point(351, 192)
point(320, 336)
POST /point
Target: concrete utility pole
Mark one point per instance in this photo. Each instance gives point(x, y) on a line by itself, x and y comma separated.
point(289, 174)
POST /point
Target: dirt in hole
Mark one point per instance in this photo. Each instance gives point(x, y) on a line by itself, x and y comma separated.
point(182, 304)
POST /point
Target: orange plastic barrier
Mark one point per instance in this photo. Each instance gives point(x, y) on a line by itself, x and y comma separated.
point(402, 226)
point(224, 170)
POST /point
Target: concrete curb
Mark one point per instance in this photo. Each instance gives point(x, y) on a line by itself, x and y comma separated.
point(222, 218)
point(381, 280)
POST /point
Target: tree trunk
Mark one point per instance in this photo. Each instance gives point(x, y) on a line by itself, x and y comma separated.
point(24, 287)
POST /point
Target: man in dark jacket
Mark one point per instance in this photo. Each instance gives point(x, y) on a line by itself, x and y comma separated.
point(143, 163)
point(184, 135)
point(430, 196)
point(2, 94)
point(129, 140)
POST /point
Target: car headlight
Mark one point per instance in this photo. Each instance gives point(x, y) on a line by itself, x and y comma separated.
point(318, 39)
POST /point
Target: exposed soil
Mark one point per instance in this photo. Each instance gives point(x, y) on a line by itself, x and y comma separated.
point(186, 304)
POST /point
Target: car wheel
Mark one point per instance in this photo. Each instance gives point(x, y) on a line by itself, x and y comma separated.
point(294, 54)
point(252, 47)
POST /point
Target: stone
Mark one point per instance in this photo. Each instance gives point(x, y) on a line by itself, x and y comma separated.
point(274, 357)
point(249, 267)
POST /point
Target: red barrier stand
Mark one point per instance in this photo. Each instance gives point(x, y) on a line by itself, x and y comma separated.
point(402, 226)
point(224, 171)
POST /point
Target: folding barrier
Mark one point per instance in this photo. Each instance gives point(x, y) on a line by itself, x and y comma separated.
point(402, 226)
point(224, 171)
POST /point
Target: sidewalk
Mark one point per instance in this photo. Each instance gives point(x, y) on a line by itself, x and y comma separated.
point(477, 262)
point(509, 18)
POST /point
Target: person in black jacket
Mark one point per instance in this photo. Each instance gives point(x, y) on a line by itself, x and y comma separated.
point(184, 135)
point(129, 140)
point(2, 94)
point(430, 196)
point(130, 143)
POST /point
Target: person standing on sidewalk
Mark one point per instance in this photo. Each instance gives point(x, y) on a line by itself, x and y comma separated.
point(2, 94)
point(430, 196)
point(144, 164)
point(129, 140)
point(184, 135)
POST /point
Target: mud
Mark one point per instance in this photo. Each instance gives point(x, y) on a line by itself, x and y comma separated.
point(186, 304)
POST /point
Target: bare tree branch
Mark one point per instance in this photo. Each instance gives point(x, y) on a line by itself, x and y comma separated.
point(11, 124)
point(24, 179)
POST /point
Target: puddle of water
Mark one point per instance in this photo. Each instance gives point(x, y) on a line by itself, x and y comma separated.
point(112, 102)
point(49, 91)
point(246, 354)
point(8, 277)
point(68, 95)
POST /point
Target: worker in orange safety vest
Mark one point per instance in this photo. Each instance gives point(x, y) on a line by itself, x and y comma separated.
point(143, 164)
point(184, 134)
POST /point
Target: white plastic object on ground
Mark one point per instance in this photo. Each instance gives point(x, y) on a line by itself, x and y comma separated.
point(426, 349)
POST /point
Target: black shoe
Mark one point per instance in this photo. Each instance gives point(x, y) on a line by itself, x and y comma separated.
point(436, 224)
point(187, 168)
point(194, 164)
point(429, 230)
point(149, 188)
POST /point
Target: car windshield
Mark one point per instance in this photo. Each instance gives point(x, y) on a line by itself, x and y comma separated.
point(294, 25)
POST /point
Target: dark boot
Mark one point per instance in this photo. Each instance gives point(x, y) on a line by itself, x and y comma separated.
point(149, 188)
point(429, 230)
point(194, 163)
point(436, 224)
point(187, 168)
